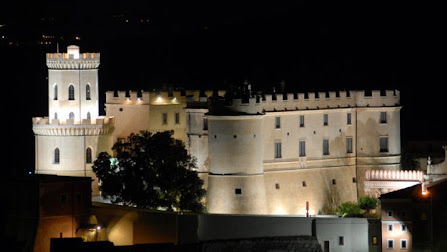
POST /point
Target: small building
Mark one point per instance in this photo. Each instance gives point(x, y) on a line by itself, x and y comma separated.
point(415, 218)
point(40, 207)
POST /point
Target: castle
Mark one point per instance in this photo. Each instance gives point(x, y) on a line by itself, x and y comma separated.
point(290, 153)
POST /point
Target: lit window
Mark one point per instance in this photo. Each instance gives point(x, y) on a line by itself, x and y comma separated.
point(177, 118)
point(56, 156)
point(349, 119)
point(341, 240)
point(277, 122)
point(325, 147)
point(302, 148)
point(374, 240)
point(165, 118)
point(390, 244)
point(278, 150)
point(325, 120)
point(87, 92)
point(403, 244)
point(383, 117)
point(88, 155)
point(383, 144)
point(349, 145)
point(71, 93)
point(301, 121)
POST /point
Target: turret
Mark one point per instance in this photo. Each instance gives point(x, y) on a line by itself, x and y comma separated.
point(235, 140)
point(73, 86)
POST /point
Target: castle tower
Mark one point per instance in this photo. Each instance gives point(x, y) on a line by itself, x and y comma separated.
point(73, 85)
point(235, 141)
point(68, 140)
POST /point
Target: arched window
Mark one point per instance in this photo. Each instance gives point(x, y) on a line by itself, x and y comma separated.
point(87, 92)
point(71, 93)
point(88, 155)
point(56, 156)
point(88, 116)
point(55, 116)
point(71, 115)
point(55, 92)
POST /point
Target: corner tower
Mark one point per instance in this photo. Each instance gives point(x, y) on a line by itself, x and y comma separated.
point(235, 141)
point(70, 137)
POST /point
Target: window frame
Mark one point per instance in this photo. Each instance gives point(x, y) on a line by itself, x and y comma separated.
point(302, 148)
point(385, 148)
point(71, 93)
point(277, 150)
point(277, 122)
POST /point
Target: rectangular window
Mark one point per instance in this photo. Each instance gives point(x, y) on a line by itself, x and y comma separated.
point(390, 244)
point(334, 182)
point(349, 119)
point(304, 184)
point(341, 240)
point(277, 186)
point(277, 150)
point(302, 148)
point(238, 191)
point(374, 240)
point(177, 118)
point(277, 122)
point(165, 118)
point(325, 120)
point(403, 244)
point(301, 121)
point(390, 213)
point(404, 228)
point(382, 117)
point(383, 144)
point(325, 147)
point(390, 227)
point(349, 145)
point(205, 124)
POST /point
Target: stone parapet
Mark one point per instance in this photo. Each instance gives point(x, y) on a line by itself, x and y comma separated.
point(102, 126)
point(69, 61)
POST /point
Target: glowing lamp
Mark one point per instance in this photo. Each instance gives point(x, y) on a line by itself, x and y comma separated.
point(98, 228)
point(425, 193)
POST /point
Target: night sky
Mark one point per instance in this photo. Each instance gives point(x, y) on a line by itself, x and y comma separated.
point(310, 47)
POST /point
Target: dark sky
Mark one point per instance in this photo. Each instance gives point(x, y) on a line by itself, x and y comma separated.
point(311, 47)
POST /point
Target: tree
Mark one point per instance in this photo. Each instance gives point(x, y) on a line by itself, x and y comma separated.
point(367, 203)
point(150, 171)
point(349, 209)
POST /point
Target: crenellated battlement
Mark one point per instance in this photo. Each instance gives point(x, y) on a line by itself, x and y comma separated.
point(101, 126)
point(73, 59)
point(314, 100)
point(157, 97)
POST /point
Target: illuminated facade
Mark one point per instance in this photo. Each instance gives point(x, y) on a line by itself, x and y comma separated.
point(68, 140)
point(257, 154)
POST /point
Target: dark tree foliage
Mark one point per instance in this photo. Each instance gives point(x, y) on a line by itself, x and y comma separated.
point(150, 170)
